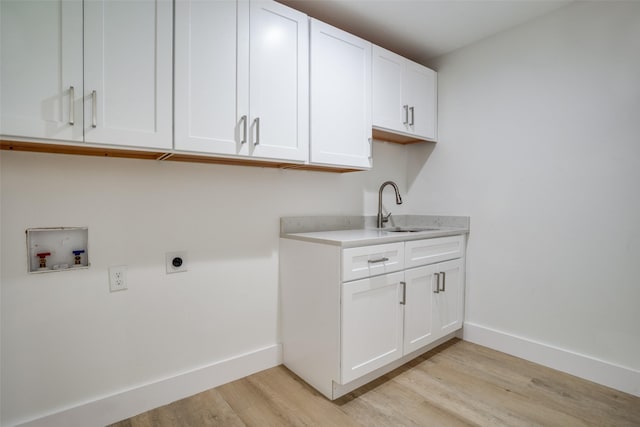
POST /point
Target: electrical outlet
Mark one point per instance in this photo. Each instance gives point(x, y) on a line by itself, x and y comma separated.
point(118, 278)
point(176, 262)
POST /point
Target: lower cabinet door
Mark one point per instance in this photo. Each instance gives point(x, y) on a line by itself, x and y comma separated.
point(418, 313)
point(372, 324)
point(448, 307)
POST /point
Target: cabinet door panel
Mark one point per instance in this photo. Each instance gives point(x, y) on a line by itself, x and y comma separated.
point(205, 76)
point(448, 308)
point(128, 63)
point(278, 82)
point(371, 324)
point(340, 97)
point(418, 317)
point(41, 61)
point(388, 90)
point(420, 95)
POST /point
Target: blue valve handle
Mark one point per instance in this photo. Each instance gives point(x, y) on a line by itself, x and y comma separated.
point(76, 253)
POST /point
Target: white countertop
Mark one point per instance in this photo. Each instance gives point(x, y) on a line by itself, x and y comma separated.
point(365, 237)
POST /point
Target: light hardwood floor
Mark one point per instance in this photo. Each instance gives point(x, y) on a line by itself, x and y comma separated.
point(456, 384)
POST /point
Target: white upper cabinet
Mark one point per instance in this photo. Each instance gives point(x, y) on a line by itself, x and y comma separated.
point(41, 69)
point(128, 72)
point(242, 79)
point(278, 82)
point(404, 97)
point(98, 71)
point(340, 97)
point(206, 69)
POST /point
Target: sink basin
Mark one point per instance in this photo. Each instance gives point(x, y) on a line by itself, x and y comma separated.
point(409, 229)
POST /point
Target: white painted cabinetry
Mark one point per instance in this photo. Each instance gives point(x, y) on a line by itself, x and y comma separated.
point(207, 113)
point(93, 71)
point(350, 314)
point(448, 307)
point(41, 82)
point(241, 79)
point(340, 97)
point(404, 96)
point(128, 72)
point(372, 326)
point(434, 303)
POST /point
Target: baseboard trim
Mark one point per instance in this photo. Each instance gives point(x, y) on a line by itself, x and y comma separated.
point(110, 409)
point(599, 371)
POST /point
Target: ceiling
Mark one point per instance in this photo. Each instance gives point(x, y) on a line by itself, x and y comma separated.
point(424, 29)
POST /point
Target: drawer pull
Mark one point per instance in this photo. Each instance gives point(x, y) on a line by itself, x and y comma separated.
point(374, 261)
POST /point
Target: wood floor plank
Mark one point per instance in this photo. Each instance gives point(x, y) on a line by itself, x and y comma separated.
point(563, 392)
point(252, 405)
point(510, 408)
point(204, 409)
point(297, 398)
point(390, 403)
point(456, 384)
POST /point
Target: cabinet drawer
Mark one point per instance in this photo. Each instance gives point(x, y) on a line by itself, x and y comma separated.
point(428, 251)
point(366, 261)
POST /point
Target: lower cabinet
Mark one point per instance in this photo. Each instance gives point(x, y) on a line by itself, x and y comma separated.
point(338, 329)
point(434, 303)
point(372, 323)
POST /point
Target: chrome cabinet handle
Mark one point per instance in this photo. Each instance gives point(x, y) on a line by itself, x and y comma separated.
point(374, 261)
point(437, 291)
point(406, 114)
point(370, 148)
point(444, 279)
point(404, 293)
point(72, 106)
point(243, 120)
point(94, 107)
point(257, 124)
point(412, 115)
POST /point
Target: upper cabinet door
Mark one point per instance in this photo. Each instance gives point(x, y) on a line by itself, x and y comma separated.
point(278, 82)
point(404, 97)
point(128, 72)
point(41, 69)
point(340, 97)
point(205, 77)
point(388, 90)
point(420, 94)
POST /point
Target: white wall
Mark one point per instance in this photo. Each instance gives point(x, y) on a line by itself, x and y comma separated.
point(67, 340)
point(539, 142)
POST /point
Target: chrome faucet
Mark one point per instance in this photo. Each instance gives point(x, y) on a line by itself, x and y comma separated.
point(381, 218)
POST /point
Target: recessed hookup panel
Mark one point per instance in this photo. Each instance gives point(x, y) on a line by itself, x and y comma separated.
point(53, 249)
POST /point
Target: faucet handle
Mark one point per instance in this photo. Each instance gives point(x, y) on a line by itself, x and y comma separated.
point(385, 218)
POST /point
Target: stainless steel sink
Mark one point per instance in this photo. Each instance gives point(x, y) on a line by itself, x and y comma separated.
point(409, 229)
